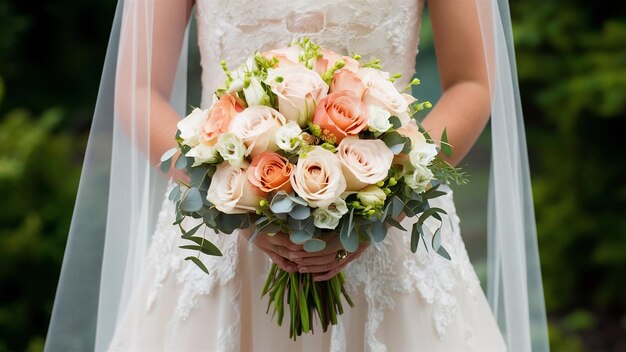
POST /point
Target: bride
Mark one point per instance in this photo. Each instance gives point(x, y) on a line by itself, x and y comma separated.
point(125, 284)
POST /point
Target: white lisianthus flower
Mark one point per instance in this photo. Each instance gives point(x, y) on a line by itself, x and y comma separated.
point(419, 179)
point(231, 148)
point(378, 119)
point(191, 125)
point(372, 196)
point(328, 217)
point(288, 137)
point(422, 154)
point(203, 154)
point(255, 94)
point(238, 75)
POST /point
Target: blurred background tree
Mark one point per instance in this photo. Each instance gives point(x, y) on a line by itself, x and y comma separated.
point(571, 60)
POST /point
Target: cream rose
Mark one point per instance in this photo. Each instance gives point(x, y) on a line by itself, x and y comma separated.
point(318, 178)
point(191, 126)
point(256, 126)
point(230, 191)
point(381, 92)
point(328, 217)
point(364, 161)
point(285, 57)
point(298, 90)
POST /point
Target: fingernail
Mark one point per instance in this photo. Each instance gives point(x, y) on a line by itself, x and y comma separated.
point(303, 270)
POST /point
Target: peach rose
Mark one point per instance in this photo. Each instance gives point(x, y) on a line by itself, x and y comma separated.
point(219, 118)
point(346, 80)
point(298, 92)
point(364, 161)
point(318, 178)
point(286, 57)
point(270, 172)
point(230, 191)
point(328, 59)
point(340, 114)
point(256, 126)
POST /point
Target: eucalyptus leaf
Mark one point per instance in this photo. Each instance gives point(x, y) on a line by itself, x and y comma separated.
point(391, 221)
point(416, 233)
point(199, 263)
point(378, 231)
point(181, 162)
point(314, 245)
point(174, 194)
point(394, 141)
point(444, 253)
point(398, 206)
point(446, 148)
point(165, 165)
point(191, 232)
point(300, 237)
point(281, 203)
point(300, 212)
point(207, 246)
point(395, 122)
point(168, 154)
point(192, 201)
point(436, 242)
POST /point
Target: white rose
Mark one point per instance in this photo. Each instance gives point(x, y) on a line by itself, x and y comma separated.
point(230, 191)
point(364, 161)
point(288, 137)
point(419, 179)
point(190, 126)
point(328, 217)
point(372, 196)
point(378, 119)
point(231, 148)
point(203, 154)
point(318, 178)
point(381, 92)
point(256, 126)
point(298, 92)
point(422, 154)
point(255, 94)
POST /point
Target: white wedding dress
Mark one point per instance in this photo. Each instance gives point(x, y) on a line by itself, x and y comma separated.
point(403, 301)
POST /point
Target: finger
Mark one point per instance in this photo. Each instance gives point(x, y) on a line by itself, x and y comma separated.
point(281, 239)
point(330, 274)
point(283, 263)
point(319, 260)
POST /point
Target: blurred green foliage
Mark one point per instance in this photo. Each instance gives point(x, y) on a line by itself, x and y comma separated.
point(571, 60)
point(572, 70)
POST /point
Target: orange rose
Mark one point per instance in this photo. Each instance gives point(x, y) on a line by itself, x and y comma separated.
point(340, 114)
point(347, 80)
point(219, 118)
point(270, 172)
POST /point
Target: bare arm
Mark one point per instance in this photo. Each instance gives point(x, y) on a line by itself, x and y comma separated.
point(150, 44)
point(464, 107)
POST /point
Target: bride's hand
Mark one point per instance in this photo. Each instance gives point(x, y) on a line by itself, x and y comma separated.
point(280, 249)
point(324, 264)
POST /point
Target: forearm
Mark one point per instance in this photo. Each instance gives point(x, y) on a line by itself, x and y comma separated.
point(162, 127)
point(463, 111)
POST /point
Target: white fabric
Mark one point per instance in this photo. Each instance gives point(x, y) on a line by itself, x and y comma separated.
point(404, 301)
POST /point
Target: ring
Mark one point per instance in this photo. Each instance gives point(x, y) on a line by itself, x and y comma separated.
point(341, 255)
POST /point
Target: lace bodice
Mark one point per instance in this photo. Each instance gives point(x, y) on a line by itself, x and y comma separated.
point(232, 30)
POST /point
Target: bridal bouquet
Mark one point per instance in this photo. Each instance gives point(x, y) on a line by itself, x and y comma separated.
point(301, 142)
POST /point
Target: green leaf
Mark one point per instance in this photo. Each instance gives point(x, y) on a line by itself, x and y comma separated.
point(199, 263)
point(165, 165)
point(390, 220)
point(300, 236)
point(300, 212)
point(395, 121)
point(168, 154)
point(442, 252)
point(415, 236)
point(227, 223)
point(191, 232)
point(192, 201)
point(174, 195)
point(436, 242)
point(395, 141)
point(445, 146)
point(314, 245)
point(181, 162)
point(348, 236)
point(281, 203)
point(377, 232)
point(207, 247)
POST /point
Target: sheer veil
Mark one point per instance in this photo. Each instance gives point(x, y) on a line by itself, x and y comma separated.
point(144, 83)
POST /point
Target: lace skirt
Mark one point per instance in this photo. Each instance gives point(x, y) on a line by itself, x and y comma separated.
point(404, 301)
